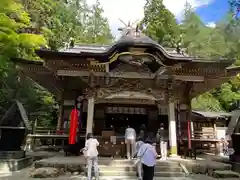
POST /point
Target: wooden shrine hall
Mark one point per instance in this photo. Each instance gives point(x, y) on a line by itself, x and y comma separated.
point(134, 81)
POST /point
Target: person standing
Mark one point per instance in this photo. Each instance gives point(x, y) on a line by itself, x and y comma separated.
point(130, 138)
point(163, 143)
point(143, 131)
point(91, 153)
point(139, 143)
point(148, 155)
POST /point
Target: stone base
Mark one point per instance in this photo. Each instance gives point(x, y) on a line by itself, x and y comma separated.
point(225, 174)
point(205, 167)
point(235, 158)
point(12, 155)
point(173, 150)
point(109, 167)
point(10, 165)
point(45, 173)
point(236, 167)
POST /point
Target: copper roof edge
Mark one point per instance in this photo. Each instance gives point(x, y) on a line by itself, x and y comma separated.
point(26, 61)
point(112, 48)
point(233, 68)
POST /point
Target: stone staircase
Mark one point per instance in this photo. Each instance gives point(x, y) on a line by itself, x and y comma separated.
point(125, 169)
point(233, 122)
point(24, 115)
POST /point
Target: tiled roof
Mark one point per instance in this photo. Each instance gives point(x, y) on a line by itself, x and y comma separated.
point(212, 114)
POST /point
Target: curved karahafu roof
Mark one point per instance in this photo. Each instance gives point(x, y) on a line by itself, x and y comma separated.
point(134, 49)
point(132, 41)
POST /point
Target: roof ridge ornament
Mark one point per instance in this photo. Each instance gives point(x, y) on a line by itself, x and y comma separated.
point(130, 28)
point(69, 44)
point(179, 44)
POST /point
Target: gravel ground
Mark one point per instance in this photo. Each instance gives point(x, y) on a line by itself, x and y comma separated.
point(24, 175)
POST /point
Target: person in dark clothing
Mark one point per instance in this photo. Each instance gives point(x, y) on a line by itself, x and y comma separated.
point(142, 132)
point(151, 137)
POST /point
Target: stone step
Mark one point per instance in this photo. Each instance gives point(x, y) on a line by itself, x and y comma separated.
point(11, 165)
point(132, 162)
point(225, 174)
point(133, 173)
point(134, 178)
point(133, 168)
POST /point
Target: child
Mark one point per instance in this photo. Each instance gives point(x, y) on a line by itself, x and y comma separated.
point(139, 143)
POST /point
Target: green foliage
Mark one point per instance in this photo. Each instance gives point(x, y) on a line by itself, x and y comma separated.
point(96, 28)
point(57, 21)
point(220, 41)
point(198, 40)
point(159, 21)
point(206, 102)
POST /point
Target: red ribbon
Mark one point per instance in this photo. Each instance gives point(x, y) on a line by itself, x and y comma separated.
point(189, 135)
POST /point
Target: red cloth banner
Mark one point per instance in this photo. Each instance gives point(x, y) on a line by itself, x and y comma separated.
point(73, 126)
point(189, 135)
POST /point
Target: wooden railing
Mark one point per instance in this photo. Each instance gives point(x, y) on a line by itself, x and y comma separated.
point(40, 130)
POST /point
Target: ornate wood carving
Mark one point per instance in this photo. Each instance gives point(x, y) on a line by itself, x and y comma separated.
point(209, 72)
point(104, 93)
point(122, 68)
point(125, 101)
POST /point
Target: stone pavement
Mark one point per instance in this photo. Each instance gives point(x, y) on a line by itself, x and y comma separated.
point(24, 175)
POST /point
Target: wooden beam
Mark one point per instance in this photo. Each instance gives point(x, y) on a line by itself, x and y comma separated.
point(190, 78)
point(128, 75)
point(74, 73)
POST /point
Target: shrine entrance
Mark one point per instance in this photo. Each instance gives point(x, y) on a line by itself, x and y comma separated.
point(142, 74)
point(121, 117)
point(117, 117)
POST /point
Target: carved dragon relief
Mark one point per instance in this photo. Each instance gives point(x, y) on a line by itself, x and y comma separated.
point(109, 94)
point(129, 86)
point(123, 68)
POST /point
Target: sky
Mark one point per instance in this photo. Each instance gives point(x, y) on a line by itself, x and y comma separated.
point(210, 11)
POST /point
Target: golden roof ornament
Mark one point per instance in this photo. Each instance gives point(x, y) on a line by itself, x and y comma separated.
point(130, 28)
point(179, 44)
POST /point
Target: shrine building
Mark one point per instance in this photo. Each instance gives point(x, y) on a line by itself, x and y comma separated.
point(134, 81)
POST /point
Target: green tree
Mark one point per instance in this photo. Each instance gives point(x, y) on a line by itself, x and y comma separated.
point(96, 29)
point(160, 22)
point(14, 42)
point(199, 39)
point(207, 102)
point(220, 41)
point(57, 22)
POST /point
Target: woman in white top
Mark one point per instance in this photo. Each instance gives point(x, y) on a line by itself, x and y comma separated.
point(130, 139)
point(148, 155)
point(91, 153)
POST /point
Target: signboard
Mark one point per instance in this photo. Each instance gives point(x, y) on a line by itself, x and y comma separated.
point(126, 110)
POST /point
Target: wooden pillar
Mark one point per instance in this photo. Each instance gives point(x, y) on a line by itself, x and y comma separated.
point(90, 115)
point(33, 139)
point(189, 111)
point(172, 128)
point(60, 111)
